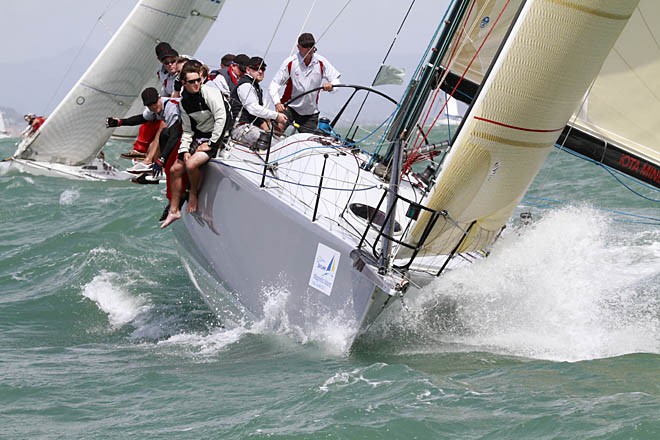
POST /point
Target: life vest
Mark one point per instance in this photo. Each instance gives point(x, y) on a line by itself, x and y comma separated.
point(236, 106)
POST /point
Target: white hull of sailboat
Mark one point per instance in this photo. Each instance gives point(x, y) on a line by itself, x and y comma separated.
point(248, 247)
point(97, 170)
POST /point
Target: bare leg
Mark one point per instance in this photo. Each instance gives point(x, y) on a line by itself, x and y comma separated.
point(176, 177)
point(195, 175)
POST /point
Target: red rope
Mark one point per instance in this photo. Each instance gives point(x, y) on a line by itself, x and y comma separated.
point(490, 31)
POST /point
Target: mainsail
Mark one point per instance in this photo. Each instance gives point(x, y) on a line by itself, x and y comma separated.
point(505, 139)
point(75, 132)
point(619, 124)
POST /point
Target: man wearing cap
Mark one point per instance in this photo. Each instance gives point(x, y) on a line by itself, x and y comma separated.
point(167, 73)
point(224, 76)
point(247, 106)
point(227, 78)
point(164, 112)
point(303, 71)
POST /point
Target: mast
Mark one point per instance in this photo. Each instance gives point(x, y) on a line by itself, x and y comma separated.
point(420, 88)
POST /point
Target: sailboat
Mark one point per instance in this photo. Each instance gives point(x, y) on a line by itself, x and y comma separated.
point(332, 231)
point(70, 142)
point(4, 134)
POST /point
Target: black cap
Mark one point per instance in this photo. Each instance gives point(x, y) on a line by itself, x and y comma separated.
point(306, 40)
point(227, 59)
point(164, 50)
point(242, 60)
point(150, 96)
point(256, 63)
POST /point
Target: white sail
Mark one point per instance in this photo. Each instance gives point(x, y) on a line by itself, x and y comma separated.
point(75, 132)
point(624, 102)
point(525, 102)
point(483, 29)
point(3, 128)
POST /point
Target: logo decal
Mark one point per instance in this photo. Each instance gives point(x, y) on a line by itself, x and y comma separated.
point(324, 269)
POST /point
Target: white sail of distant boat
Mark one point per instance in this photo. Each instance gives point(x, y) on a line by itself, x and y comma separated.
point(344, 234)
point(75, 133)
point(3, 129)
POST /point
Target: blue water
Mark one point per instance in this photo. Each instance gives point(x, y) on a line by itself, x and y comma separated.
point(556, 335)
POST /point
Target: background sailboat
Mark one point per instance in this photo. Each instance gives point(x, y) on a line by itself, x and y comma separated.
point(74, 134)
point(3, 129)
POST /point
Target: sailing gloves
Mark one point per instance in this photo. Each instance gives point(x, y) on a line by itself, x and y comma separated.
point(112, 122)
point(157, 168)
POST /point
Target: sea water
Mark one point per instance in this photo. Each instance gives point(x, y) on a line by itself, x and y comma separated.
point(555, 335)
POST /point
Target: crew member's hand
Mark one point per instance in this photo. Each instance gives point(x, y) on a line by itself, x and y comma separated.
point(186, 156)
point(328, 87)
point(157, 168)
point(281, 118)
point(111, 122)
point(280, 107)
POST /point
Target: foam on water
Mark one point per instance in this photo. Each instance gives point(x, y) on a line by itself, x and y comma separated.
point(332, 331)
point(69, 196)
point(206, 345)
point(121, 307)
point(569, 287)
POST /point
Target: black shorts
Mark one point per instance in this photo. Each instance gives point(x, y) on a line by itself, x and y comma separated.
point(196, 143)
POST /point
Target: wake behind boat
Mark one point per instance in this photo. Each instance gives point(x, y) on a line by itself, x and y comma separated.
point(342, 233)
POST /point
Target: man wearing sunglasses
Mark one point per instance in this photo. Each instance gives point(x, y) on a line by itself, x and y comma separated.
point(205, 125)
point(149, 131)
point(167, 73)
point(247, 106)
point(303, 71)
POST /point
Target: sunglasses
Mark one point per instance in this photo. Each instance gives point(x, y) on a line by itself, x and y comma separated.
point(307, 46)
point(194, 81)
point(170, 61)
point(260, 69)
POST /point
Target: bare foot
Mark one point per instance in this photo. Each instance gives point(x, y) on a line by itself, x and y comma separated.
point(171, 218)
point(192, 202)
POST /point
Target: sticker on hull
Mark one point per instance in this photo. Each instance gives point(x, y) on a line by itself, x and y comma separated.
point(324, 269)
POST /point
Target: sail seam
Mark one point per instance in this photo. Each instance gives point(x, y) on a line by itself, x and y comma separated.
point(164, 12)
point(514, 127)
point(502, 140)
point(592, 11)
point(104, 92)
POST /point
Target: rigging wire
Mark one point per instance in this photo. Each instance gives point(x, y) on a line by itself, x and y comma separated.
point(333, 20)
point(277, 28)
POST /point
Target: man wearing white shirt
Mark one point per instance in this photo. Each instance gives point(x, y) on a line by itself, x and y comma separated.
point(247, 106)
point(303, 71)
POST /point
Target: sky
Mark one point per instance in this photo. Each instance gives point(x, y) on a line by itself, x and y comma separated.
point(51, 47)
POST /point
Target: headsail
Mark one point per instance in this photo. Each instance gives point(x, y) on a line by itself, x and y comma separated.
point(524, 104)
point(75, 132)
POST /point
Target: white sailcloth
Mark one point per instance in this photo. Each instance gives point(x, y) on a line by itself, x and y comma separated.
point(3, 128)
point(525, 102)
point(624, 102)
point(75, 132)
